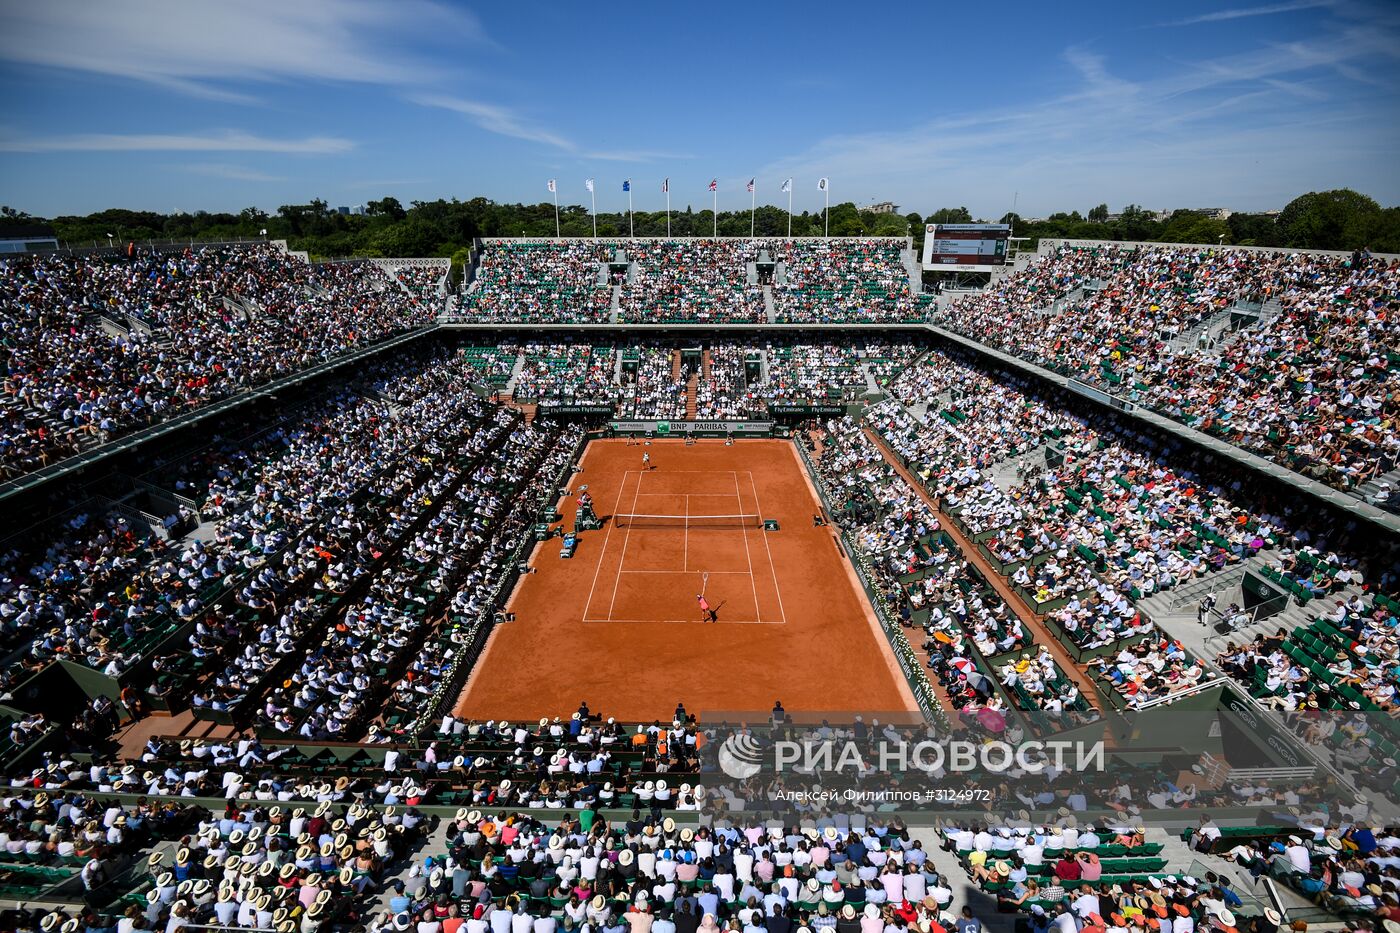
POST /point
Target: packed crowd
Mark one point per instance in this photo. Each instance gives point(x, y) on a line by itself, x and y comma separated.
point(427, 281)
point(1345, 659)
point(658, 387)
point(573, 373)
point(96, 346)
point(540, 283)
point(481, 559)
point(1307, 376)
point(842, 281)
point(691, 281)
point(101, 591)
point(814, 372)
point(1346, 866)
point(971, 639)
point(336, 685)
point(264, 867)
point(1085, 539)
point(649, 873)
point(722, 390)
point(1106, 876)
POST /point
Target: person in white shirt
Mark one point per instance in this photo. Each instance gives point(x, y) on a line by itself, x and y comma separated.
point(1298, 854)
point(724, 884)
point(1086, 904)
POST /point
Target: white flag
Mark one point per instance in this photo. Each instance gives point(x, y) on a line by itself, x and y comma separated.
point(787, 185)
point(551, 184)
point(821, 185)
point(665, 185)
point(589, 184)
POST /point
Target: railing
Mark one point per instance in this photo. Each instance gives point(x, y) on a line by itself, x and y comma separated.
point(1217, 681)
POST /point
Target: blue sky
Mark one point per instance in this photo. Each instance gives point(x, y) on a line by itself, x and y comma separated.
point(187, 104)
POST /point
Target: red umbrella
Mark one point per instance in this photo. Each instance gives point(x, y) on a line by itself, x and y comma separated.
point(991, 720)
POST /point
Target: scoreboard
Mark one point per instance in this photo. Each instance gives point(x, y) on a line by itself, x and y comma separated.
point(967, 246)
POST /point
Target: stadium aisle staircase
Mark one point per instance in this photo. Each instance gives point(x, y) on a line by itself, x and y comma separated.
point(690, 387)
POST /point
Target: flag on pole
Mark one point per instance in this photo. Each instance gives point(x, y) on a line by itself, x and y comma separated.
point(787, 185)
point(588, 184)
point(751, 181)
point(627, 185)
point(821, 185)
point(551, 185)
point(714, 184)
point(665, 186)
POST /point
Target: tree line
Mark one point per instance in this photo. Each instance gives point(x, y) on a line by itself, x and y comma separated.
point(1339, 219)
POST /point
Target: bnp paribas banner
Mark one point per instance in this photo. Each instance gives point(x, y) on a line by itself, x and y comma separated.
point(676, 428)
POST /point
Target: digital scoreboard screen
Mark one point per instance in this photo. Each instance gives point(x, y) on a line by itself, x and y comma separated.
point(966, 244)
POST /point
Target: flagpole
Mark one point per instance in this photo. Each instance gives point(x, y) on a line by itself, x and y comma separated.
point(826, 219)
point(752, 200)
point(556, 213)
point(789, 210)
point(630, 234)
point(668, 211)
point(593, 196)
point(715, 212)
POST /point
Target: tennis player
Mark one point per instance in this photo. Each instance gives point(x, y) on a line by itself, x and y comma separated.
point(646, 460)
point(707, 614)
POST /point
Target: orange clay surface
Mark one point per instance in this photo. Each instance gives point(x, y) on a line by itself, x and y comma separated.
point(619, 626)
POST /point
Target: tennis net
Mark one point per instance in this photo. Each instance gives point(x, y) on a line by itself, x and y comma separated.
point(638, 520)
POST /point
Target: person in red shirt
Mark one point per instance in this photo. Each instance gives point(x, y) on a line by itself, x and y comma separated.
point(1067, 869)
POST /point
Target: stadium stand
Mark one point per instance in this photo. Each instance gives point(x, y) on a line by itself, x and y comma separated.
point(842, 281)
point(972, 639)
point(658, 388)
point(572, 373)
point(96, 346)
point(691, 282)
point(539, 283)
point(306, 604)
point(1289, 355)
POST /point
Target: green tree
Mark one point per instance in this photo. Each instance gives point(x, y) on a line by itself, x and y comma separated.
point(1099, 214)
point(950, 215)
point(386, 207)
point(1338, 219)
point(1135, 223)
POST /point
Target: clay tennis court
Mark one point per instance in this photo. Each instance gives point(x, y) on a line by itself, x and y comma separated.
point(618, 625)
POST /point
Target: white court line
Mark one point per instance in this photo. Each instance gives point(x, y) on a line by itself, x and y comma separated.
point(606, 535)
point(772, 569)
point(685, 555)
point(745, 532)
point(623, 559)
point(683, 622)
point(712, 573)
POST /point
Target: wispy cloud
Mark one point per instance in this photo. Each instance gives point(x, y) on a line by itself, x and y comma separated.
point(224, 141)
point(231, 172)
point(197, 49)
point(506, 122)
point(495, 119)
point(1247, 116)
point(1272, 9)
